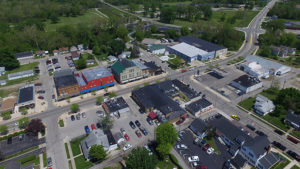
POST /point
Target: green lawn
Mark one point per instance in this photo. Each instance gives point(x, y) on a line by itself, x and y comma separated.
point(32, 159)
point(88, 18)
point(176, 3)
point(248, 103)
point(277, 121)
point(45, 159)
point(7, 92)
point(70, 164)
point(3, 166)
point(295, 167)
point(212, 143)
point(81, 163)
point(75, 145)
point(67, 150)
point(61, 123)
point(296, 134)
point(281, 165)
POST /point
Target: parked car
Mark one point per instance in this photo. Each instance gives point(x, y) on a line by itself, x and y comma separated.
point(292, 139)
point(93, 127)
point(180, 121)
point(183, 70)
point(205, 147)
point(258, 132)
point(78, 116)
point(41, 97)
point(235, 117)
point(144, 131)
point(9, 140)
point(137, 123)
point(72, 117)
point(98, 125)
point(278, 132)
point(127, 147)
point(147, 148)
point(87, 129)
point(294, 155)
point(131, 124)
point(202, 167)
point(203, 142)
point(210, 150)
point(49, 161)
point(251, 127)
point(83, 115)
point(123, 131)
point(127, 138)
point(150, 121)
point(279, 145)
point(138, 133)
point(193, 158)
point(41, 91)
point(21, 137)
point(38, 84)
point(197, 140)
point(181, 146)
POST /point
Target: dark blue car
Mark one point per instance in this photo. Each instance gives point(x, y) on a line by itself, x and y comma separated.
point(87, 129)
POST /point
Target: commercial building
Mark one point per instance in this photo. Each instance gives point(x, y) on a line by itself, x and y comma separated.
point(19, 75)
point(282, 51)
point(153, 69)
point(263, 105)
point(199, 128)
point(126, 70)
point(26, 96)
point(293, 120)
point(97, 137)
point(200, 106)
point(8, 105)
point(156, 48)
point(40, 53)
point(2, 71)
point(256, 150)
point(218, 51)
point(24, 55)
point(116, 106)
point(94, 79)
point(158, 97)
point(55, 52)
point(271, 67)
point(255, 69)
point(66, 84)
point(143, 67)
point(246, 83)
point(185, 89)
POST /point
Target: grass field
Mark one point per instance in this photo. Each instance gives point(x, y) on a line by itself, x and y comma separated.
point(61, 123)
point(32, 159)
point(176, 3)
point(277, 121)
point(295, 167)
point(296, 134)
point(88, 18)
point(67, 150)
point(247, 103)
point(5, 93)
point(81, 163)
point(113, 13)
point(75, 145)
point(45, 159)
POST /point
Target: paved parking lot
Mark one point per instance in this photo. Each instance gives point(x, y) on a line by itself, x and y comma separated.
point(18, 145)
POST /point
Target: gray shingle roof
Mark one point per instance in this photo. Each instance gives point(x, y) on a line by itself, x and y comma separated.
point(24, 54)
point(96, 73)
point(259, 145)
point(116, 104)
point(293, 118)
point(198, 125)
point(269, 160)
point(198, 105)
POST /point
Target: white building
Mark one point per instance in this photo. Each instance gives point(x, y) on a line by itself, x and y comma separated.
point(263, 105)
point(246, 83)
point(124, 55)
point(2, 82)
point(255, 69)
point(157, 48)
point(2, 71)
point(112, 58)
point(20, 75)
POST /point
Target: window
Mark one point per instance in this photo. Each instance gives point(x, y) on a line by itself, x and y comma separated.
point(130, 75)
point(131, 70)
point(243, 148)
point(250, 154)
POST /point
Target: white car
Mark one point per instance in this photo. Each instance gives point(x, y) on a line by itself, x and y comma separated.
point(123, 131)
point(147, 148)
point(127, 147)
point(210, 150)
point(195, 164)
point(181, 146)
point(193, 158)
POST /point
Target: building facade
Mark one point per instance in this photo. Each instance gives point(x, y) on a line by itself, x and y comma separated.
point(246, 83)
point(125, 71)
point(19, 75)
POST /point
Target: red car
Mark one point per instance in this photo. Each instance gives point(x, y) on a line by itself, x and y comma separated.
point(180, 121)
point(127, 138)
point(205, 147)
point(41, 97)
point(183, 70)
point(138, 133)
point(293, 140)
point(202, 167)
point(93, 127)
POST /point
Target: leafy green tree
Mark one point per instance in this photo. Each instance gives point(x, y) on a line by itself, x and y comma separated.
point(265, 51)
point(117, 47)
point(122, 33)
point(23, 122)
point(3, 129)
point(6, 115)
point(164, 149)
point(140, 158)
point(133, 7)
point(207, 11)
point(172, 34)
point(184, 31)
point(74, 108)
point(99, 100)
point(135, 53)
point(54, 18)
point(112, 94)
point(97, 153)
point(107, 123)
point(24, 110)
point(80, 63)
point(168, 15)
point(166, 134)
point(153, 28)
point(139, 36)
point(8, 60)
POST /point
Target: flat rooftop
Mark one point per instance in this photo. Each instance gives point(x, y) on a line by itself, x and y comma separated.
point(96, 73)
point(188, 50)
point(26, 94)
point(116, 104)
point(247, 81)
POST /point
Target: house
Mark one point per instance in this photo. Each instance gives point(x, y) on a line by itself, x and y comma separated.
point(282, 51)
point(2, 82)
point(75, 55)
point(73, 49)
point(273, 68)
point(19, 75)
point(112, 58)
point(80, 47)
point(200, 106)
point(218, 51)
point(199, 127)
point(97, 137)
point(246, 83)
point(90, 61)
point(55, 52)
point(66, 84)
point(94, 79)
point(26, 96)
point(2, 71)
point(256, 150)
point(116, 106)
point(263, 105)
point(293, 120)
point(24, 55)
point(40, 53)
point(156, 48)
point(238, 162)
point(8, 105)
point(126, 70)
point(63, 50)
point(153, 69)
point(124, 55)
point(157, 97)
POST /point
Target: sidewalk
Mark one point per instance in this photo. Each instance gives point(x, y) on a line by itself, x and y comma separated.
point(179, 158)
point(70, 152)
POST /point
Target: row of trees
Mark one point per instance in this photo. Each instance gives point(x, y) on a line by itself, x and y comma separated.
point(286, 10)
point(34, 126)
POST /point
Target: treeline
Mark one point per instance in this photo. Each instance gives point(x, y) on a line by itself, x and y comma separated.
point(275, 35)
point(286, 10)
point(125, 2)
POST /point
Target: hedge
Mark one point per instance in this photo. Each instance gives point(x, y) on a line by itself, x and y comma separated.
point(175, 161)
point(27, 159)
point(12, 135)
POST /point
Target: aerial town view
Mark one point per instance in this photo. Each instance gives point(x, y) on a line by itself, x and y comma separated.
point(149, 84)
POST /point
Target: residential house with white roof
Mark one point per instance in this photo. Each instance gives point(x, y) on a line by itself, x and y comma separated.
point(263, 105)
